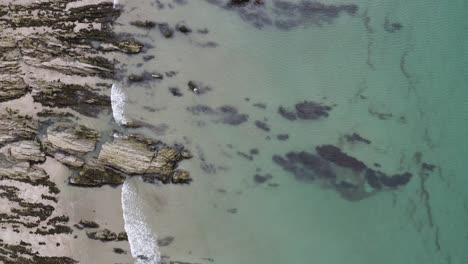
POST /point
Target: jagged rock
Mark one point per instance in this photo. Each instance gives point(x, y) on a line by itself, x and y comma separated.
point(12, 87)
point(94, 175)
point(164, 161)
point(27, 151)
point(71, 138)
point(181, 176)
point(15, 127)
point(103, 235)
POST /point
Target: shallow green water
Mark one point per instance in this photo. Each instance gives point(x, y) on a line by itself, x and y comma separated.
point(415, 77)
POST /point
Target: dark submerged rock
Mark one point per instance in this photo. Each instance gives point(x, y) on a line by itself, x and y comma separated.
point(166, 30)
point(143, 24)
point(259, 179)
point(282, 137)
point(262, 125)
point(396, 180)
point(355, 137)
point(338, 157)
point(165, 241)
point(287, 113)
point(198, 88)
point(175, 91)
point(311, 110)
point(392, 27)
point(183, 28)
point(88, 224)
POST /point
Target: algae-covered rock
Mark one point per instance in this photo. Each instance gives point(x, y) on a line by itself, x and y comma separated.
point(88, 224)
point(95, 175)
point(103, 235)
point(181, 176)
point(122, 236)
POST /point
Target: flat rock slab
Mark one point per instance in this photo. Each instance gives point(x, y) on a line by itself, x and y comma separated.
point(71, 138)
point(27, 151)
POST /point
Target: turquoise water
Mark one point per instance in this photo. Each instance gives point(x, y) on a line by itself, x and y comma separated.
point(404, 89)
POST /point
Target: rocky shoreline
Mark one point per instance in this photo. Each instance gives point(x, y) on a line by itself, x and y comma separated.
point(60, 54)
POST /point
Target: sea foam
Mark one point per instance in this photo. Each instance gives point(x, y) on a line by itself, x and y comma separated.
point(143, 242)
point(118, 104)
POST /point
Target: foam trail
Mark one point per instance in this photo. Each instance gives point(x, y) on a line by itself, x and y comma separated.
point(143, 243)
point(118, 104)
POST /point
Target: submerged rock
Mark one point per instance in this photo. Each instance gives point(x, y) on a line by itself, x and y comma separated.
point(183, 28)
point(198, 88)
point(259, 179)
point(355, 137)
point(143, 24)
point(338, 157)
point(166, 30)
point(311, 110)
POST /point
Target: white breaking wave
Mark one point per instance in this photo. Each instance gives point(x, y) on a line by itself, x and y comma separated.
point(143, 243)
point(118, 104)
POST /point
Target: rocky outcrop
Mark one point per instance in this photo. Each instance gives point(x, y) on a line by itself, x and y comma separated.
point(137, 155)
point(52, 39)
